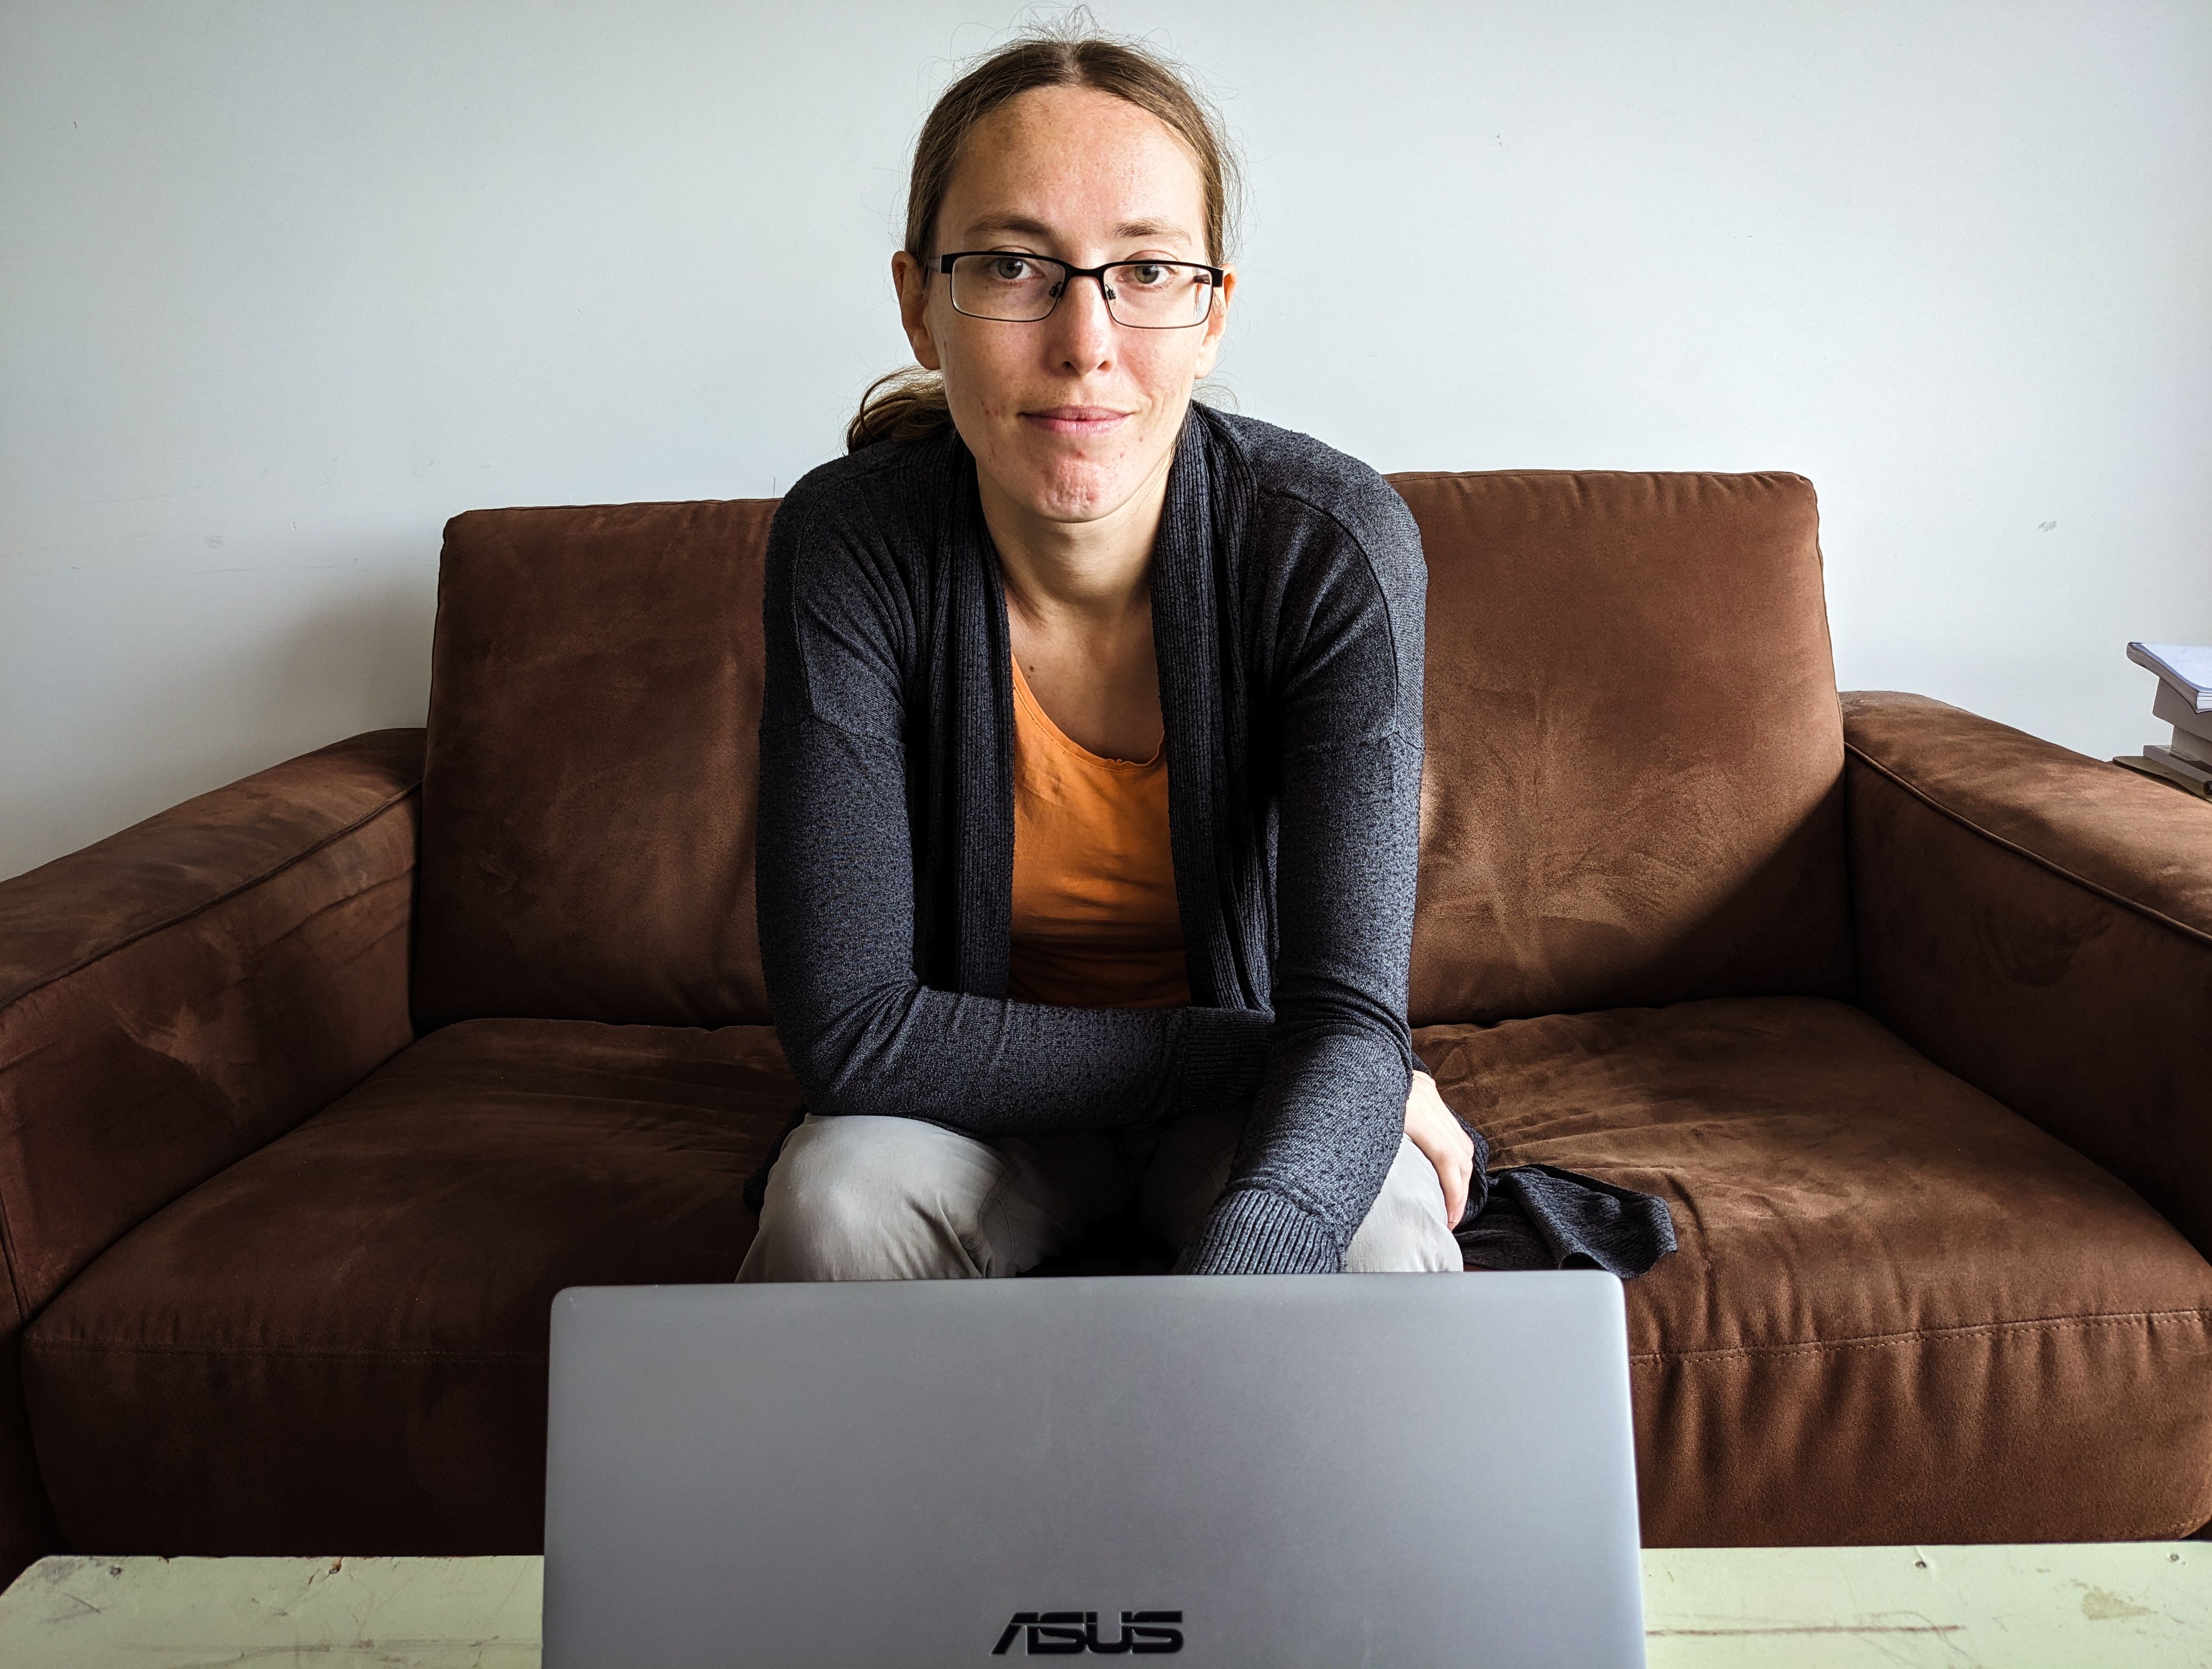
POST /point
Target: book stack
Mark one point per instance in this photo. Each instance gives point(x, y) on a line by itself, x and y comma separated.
point(2185, 701)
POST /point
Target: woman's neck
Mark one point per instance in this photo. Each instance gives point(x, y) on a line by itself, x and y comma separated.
point(1076, 576)
point(1079, 614)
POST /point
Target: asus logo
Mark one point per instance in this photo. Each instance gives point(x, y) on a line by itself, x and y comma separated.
point(1065, 1634)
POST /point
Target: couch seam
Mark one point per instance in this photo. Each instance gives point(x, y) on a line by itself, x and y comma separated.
point(1802, 1347)
point(1928, 799)
point(182, 916)
point(1883, 1341)
point(277, 1351)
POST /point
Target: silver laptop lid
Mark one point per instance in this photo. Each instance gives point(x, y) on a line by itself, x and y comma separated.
point(1252, 1470)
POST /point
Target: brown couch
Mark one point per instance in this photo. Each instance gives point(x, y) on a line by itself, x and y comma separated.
point(314, 1089)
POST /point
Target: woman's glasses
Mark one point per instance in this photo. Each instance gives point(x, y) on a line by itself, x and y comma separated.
point(1021, 289)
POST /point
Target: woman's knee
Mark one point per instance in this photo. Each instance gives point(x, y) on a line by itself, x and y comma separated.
point(1405, 1229)
point(866, 1198)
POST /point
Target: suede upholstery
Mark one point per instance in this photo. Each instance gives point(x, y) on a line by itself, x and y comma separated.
point(2041, 925)
point(587, 801)
point(1899, 1313)
point(173, 997)
point(297, 1138)
point(354, 1318)
point(1633, 792)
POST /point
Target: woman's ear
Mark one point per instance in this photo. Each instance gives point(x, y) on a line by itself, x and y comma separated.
point(911, 280)
point(1209, 346)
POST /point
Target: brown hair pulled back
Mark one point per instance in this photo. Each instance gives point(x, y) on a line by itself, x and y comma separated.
point(909, 403)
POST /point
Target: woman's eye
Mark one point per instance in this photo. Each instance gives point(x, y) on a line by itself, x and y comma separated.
point(1145, 274)
point(1010, 268)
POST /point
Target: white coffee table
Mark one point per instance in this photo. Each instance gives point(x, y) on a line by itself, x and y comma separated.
point(2105, 1606)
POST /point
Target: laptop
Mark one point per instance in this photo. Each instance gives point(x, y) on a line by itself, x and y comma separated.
point(1269, 1472)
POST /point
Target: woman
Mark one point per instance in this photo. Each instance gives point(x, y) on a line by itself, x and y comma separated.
point(1090, 751)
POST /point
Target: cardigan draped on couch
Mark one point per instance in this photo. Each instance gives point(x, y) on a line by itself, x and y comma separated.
point(314, 1090)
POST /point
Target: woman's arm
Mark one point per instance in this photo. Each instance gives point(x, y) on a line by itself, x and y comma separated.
point(836, 895)
point(1347, 713)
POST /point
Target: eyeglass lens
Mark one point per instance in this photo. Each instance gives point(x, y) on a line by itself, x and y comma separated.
point(1150, 294)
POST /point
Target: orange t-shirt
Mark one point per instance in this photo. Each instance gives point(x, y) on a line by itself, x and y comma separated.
point(1095, 923)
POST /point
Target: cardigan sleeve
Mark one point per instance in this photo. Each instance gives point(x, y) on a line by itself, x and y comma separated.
point(1346, 704)
point(834, 891)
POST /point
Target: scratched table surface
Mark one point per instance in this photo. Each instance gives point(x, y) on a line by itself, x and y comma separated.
point(2105, 1606)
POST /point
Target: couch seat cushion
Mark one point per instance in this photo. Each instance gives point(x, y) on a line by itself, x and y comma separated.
point(1899, 1313)
point(339, 1344)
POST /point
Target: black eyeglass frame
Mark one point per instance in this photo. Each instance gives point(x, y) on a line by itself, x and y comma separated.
point(1069, 274)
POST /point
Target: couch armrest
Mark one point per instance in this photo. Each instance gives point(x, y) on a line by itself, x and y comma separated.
point(2040, 922)
point(175, 996)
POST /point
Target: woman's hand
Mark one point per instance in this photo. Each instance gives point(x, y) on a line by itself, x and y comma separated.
point(1430, 1123)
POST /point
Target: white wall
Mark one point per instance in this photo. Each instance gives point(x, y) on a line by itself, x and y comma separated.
point(284, 286)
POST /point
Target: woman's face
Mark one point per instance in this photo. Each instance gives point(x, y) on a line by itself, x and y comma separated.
point(1071, 416)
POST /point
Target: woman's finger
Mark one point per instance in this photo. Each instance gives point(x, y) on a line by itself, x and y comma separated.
point(1453, 1173)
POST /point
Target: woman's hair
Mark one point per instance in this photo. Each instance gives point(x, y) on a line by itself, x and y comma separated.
point(908, 404)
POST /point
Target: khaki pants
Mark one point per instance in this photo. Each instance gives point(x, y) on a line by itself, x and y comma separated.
point(860, 1197)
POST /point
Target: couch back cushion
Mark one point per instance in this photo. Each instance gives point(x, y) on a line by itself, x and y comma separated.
point(1633, 789)
point(588, 793)
point(1633, 793)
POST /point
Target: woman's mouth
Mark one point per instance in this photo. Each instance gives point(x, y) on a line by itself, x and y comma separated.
point(1076, 419)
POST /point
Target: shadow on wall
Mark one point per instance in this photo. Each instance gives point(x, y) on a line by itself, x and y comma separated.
point(289, 659)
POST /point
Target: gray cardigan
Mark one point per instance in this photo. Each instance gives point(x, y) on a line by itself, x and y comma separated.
point(1287, 607)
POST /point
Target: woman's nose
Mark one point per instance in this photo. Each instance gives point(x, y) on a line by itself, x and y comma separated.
point(1082, 328)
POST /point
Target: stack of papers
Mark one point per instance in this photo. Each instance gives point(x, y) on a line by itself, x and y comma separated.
point(2183, 700)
